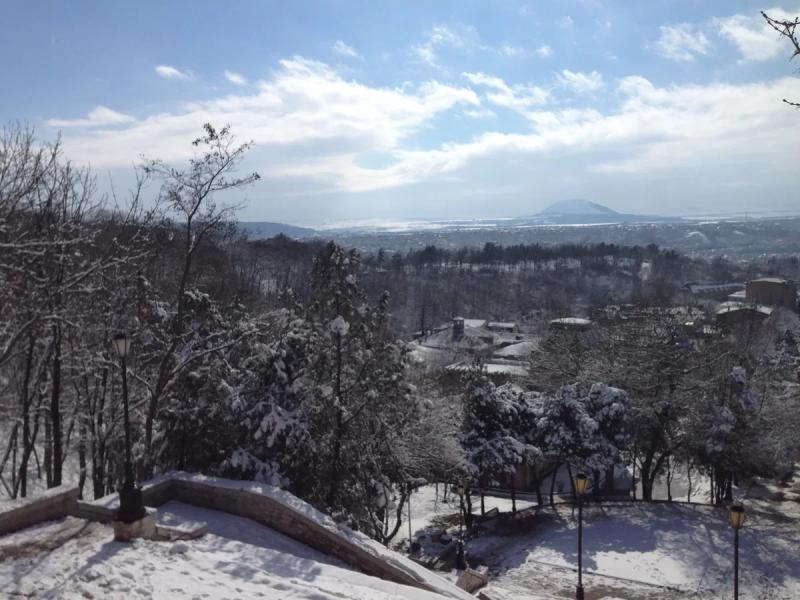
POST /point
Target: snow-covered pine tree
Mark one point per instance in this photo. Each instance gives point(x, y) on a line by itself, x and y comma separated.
point(583, 426)
point(329, 410)
point(497, 431)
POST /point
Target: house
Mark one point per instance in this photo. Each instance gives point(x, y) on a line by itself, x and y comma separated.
point(772, 291)
point(733, 313)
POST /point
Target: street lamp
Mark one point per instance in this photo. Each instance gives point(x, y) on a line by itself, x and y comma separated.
point(738, 517)
point(581, 483)
point(131, 507)
point(460, 562)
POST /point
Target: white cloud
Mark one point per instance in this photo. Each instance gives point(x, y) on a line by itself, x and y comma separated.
point(507, 49)
point(312, 129)
point(567, 22)
point(681, 42)
point(544, 51)
point(479, 113)
point(518, 97)
point(580, 83)
point(168, 72)
point(343, 49)
point(314, 122)
point(235, 78)
point(752, 35)
point(655, 131)
point(97, 117)
point(460, 36)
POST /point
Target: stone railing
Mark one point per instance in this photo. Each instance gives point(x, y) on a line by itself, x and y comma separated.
point(264, 504)
point(55, 503)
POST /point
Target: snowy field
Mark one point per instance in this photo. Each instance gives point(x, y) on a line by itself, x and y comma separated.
point(238, 558)
point(635, 551)
point(660, 547)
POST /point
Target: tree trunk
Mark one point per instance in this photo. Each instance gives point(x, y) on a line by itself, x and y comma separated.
point(669, 480)
point(646, 477)
point(689, 477)
point(48, 449)
point(333, 490)
point(81, 458)
point(538, 485)
point(572, 483)
point(468, 516)
point(513, 496)
point(57, 459)
point(553, 483)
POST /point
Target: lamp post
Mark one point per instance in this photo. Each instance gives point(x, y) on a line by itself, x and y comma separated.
point(581, 483)
point(460, 548)
point(130, 497)
point(738, 517)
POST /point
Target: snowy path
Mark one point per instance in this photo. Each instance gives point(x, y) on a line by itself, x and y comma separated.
point(638, 551)
point(688, 548)
point(238, 558)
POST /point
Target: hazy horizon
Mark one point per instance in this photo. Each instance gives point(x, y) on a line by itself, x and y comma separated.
point(427, 111)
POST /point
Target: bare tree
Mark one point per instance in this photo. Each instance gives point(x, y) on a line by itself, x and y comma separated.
point(190, 194)
point(788, 29)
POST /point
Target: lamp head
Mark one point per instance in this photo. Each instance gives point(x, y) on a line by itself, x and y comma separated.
point(738, 516)
point(581, 483)
point(122, 344)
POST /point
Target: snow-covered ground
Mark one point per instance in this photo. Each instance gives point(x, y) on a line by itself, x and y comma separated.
point(429, 506)
point(688, 548)
point(238, 558)
point(637, 550)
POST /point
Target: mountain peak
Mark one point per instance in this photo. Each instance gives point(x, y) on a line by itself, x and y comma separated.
point(577, 206)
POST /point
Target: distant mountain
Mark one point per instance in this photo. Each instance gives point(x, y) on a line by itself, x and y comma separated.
point(578, 206)
point(584, 212)
point(261, 230)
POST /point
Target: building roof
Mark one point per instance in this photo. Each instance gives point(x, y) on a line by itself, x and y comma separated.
point(571, 321)
point(732, 306)
point(476, 323)
point(518, 350)
point(771, 280)
point(501, 324)
point(713, 287)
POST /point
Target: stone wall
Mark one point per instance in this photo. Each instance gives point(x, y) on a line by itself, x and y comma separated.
point(55, 503)
point(274, 514)
point(284, 513)
point(154, 493)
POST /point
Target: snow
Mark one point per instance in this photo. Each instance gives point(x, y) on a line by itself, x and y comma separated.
point(339, 326)
point(521, 349)
point(367, 544)
point(428, 507)
point(475, 323)
point(685, 547)
point(733, 305)
point(238, 558)
point(514, 370)
point(634, 551)
point(498, 369)
point(771, 280)
point(578, 321)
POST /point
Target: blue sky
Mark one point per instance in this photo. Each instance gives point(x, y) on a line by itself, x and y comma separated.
point(397, 110)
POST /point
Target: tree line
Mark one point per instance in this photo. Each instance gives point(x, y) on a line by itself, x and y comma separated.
point(286, 362)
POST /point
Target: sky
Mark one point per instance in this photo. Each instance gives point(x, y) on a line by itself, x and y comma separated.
point(367, 111)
